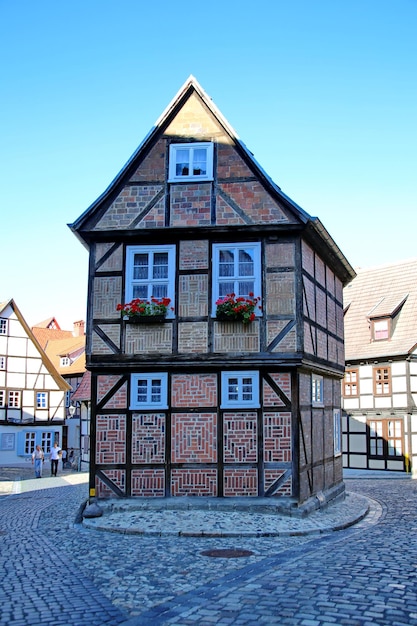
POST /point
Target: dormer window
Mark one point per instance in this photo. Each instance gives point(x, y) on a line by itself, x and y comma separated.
point(190, 161)
point(380, 329)
point(65, 361)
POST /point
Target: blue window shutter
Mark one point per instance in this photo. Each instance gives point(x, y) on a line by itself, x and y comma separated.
point(21, 437)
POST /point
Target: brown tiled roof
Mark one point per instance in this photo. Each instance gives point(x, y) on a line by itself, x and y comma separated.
point(74, 347)
point(43, 335)
point(385, 291)
point(83, 392)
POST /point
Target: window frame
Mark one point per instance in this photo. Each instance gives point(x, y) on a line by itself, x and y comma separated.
point(337, 432)
point(3, 398)
point(173, 177)
point(384, 382)
point(375, 331)
point(45, 396)
point(3, 325)
point(240, 403)
point(317, 389)
point(130, 282)
point(17, 394)
point(217, 279)
point(135, 405)
point(3, 363)
point(348, 383)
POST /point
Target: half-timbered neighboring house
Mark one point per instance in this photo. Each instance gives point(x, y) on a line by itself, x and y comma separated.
point(380, 383)
point(32, 393)
point(199, 402)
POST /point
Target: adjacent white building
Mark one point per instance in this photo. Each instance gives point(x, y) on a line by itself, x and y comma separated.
point(32, 393)
point(379, 390)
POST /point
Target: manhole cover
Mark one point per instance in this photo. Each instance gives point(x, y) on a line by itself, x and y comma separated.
point(227, 553)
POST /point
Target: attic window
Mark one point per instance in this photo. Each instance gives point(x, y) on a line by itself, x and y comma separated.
point(380, 329)
point(65, 361)
point(3, 327)
point(190, 161)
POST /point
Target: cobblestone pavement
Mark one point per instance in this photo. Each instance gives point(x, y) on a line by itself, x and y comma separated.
point(56, 572)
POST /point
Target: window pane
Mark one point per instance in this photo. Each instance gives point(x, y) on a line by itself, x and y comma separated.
point(159, 291)
point(182, 162)
point(245, 288)
point(140, 266)
point(160, 265)
point(200, 161)
point(247, 389)
point(156, 390)
point(233, 389)
point(246, 265)
point(140, 291)
point(226, 263)
point(142, 390)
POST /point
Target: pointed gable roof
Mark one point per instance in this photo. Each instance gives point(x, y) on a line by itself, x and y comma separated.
point(61, 383)
point(377, 292)
point(87, 222)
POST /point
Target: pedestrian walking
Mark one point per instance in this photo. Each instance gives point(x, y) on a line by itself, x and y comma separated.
point(64, 458)
point(37, 461)
point(54, 456)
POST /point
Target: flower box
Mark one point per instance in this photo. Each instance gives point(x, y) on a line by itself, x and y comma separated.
point(145, 319)
point(237, 309)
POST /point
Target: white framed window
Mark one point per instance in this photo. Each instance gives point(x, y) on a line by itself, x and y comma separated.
point(14, 399)
point(3, 326)
point(2, 362)
point(236, 269)
point(240, 390)
point(2, 397)
point(317, 395)
point(46, 440)
point(190, 161)
point(30, 439)
point(65, 361)
point(337, 432)
point(41, 400)
point(150, 273)
point(149, 391)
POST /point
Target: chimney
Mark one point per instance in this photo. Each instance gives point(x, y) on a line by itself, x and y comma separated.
point(79, 328)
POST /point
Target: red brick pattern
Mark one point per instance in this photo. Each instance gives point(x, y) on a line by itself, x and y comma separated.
point(271, 476)
point(148, 438)
point(270, 398)
point(131, 201)
point(194, 390)
point(280, 294)
point(230, 164)
point(148, 338)
point(227, 215)
point(193, 337)
point(309, 300)
point(155, 217)
point(277, 437)
point(106, 384)
point(193, 296)
point(240, 438)
point(240, 482)
point(194, 481)
point(118, 477)
point(107, 295)
point(148, 483)
point(236, 337)
point(191, 205)
point(153, 166)
point(194, 255)
point(194, 437)
point(114, 262)
point(280, 255)
point(99, 346)
point(307, 258)
point(110, 439)
point(252, 198)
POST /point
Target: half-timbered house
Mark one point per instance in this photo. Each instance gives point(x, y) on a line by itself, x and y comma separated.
point(200, 401)
point(32, 393)
point(379, 393)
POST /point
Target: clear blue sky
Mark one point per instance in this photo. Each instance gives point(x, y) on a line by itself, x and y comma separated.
point(324, 93)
